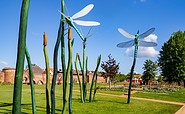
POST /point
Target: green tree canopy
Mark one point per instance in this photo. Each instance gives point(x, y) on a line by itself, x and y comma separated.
point(150, 71)
point(120, 78)
point(172, 58)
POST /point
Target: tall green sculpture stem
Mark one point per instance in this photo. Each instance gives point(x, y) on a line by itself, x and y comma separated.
point(95, 87)
point(63, 49)
point(47, 74)
point(94, 78)
point(132, 73)
point(71, 86)
point(66, 94)
point(55, 61)
point(34, 111)
point(78, 75)
point(83, 65)
point(16, 109)
point(83, 70)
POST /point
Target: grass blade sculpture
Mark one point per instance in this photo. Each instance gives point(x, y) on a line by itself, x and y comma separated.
point(63, 49)
point(16, 109)
point(66, 81)
point(71, 21)
point(78, 76)
point(34, 111)
point(47, 74)
point(71, 85)
point(60, 38)
point(94, 79)
point(136, 42)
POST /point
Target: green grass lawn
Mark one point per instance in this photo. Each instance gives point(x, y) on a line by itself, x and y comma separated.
point(178, 96)
point(102, 104)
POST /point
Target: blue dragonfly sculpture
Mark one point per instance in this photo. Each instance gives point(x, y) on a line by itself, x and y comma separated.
point(135, 42)
point(81, 13)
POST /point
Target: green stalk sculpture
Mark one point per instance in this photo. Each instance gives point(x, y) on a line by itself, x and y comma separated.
point(34, 111)
point(66, 89)
point(83, 71)
point(47, 74)
point(16, 109)
point(55, 61)
point(95, 87)
point(63, 50)
point(71, 86)
point(71, 91)
point(83, 65)
point(78, 75)
point(94, 79)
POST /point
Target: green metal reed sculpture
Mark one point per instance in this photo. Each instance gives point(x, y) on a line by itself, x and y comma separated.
point(47, 74)
point(60, 38)
point(16, 109)
point(34, 111)
point(68, 73)
point(94, 80)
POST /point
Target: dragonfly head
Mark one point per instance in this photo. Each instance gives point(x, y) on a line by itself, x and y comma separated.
point(69, 21)
point(137, 35)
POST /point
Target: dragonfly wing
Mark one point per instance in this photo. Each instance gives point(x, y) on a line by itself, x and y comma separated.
point(126, 34)
point(126, 44)
point(86, 23)
point(147, 33)
point(147, 44)
point(83, 12)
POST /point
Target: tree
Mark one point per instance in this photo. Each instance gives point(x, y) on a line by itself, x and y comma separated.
point(150, 71)
point(111, 69)
point(172, 58)
point(119, 78)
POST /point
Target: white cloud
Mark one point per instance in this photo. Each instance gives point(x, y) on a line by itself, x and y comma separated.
point(3, 63)
point(144, 51)
point(151, 38)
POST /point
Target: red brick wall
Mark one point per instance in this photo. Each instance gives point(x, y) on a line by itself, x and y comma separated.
point(9, 74)
point(1, 76)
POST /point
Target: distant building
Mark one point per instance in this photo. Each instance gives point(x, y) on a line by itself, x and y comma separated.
point(136, 79)
point(7, 75)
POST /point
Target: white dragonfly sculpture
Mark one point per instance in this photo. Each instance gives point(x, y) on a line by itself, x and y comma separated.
point(135, 42)
point(81, 13)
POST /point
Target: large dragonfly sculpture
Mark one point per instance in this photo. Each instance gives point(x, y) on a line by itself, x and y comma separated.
point(81, 13)
point(135, 42)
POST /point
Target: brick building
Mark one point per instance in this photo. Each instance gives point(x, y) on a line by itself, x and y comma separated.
point(7, 75)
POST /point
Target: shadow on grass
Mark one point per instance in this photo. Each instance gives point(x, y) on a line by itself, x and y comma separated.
point(99, 100)
point(5, 104)
point(6, 108)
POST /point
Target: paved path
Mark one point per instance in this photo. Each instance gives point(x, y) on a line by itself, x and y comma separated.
point(180, 111)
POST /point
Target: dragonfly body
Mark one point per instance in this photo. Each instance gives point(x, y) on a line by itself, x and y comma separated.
point(136, 42)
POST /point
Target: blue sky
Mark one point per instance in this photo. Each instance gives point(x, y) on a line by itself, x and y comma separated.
point(167, 16)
